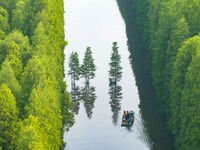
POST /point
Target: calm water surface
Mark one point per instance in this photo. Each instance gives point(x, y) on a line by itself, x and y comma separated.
point(98, 23)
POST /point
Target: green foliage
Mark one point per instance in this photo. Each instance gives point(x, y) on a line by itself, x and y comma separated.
point(22, 42)
point(180, 69)
point(179, 33)
point(74, 71)
point(8, 116)
point(44, 104)
point(7, 76)
point(31, 55)
point(190, 113)
point(192, 14)
point(29, 136)
point(88, 67)
point(169, 29)
point(4, 26)
point(66, 106)
point(33, 73)
point(115, 73)
point(15, 58)
point(2, 35)
point(18, 19)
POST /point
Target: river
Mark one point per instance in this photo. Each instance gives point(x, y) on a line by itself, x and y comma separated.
point(98, 23)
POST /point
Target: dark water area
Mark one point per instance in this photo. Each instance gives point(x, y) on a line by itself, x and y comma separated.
point(98, 107)
point(156, 128)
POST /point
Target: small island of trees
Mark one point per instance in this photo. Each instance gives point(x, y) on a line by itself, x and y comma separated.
point(86, 70)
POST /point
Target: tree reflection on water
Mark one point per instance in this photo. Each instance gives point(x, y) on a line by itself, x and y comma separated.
point(86, 95)
point(75, 98)
point(115, 93)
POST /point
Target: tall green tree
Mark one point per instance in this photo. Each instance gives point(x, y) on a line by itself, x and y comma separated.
point(180, 67)
point(40, 41)
point(88, 67)
point(7, 76)
point(74, 71)
point(8, 116)
point(160, 44)
point(190, 112)
point(19, 15)
point(15, 58)
point(115, 72)
point(22, 42)
point(179, 33)
point(44, 104)
point(30, 136)
point(4, 25)
point(33, 73)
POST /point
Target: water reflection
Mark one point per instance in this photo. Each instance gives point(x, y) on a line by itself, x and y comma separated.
point(115, 93)
point(88, 96)
point(75, 98)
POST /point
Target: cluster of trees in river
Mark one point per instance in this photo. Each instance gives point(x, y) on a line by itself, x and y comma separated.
point(86, 70)
point(87, 93)
point(34, 104)
point(170, 31)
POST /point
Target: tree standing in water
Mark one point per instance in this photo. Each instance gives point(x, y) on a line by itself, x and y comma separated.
point(88, 67)
point(74, 67)
point(115, 68)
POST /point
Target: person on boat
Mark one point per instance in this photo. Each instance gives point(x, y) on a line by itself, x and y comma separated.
point(124, 115)
point(128, 115)
point(129, 120)
point(125, 112)
point(131, 114)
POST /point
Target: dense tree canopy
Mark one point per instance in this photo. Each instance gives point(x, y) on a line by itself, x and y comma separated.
point(31, 75)
point(8, 116)
point(170, 34)
point(7, 76)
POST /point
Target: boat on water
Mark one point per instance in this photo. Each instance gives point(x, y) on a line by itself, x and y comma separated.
point(128, 118)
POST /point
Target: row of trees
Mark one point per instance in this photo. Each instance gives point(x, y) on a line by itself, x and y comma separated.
point(170, 32)
point(34, 104)
point(86, 70)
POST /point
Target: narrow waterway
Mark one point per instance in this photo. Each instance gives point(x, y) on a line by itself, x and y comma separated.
point(98, 115)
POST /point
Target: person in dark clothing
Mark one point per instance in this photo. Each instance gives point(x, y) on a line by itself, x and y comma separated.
point(127, 116)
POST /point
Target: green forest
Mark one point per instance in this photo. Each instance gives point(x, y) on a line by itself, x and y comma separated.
point(170, 32)
point(34, 104)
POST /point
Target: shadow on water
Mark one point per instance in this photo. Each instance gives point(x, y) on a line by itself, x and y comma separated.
point(86, 95)
point(115, 93)
point(154, 125)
